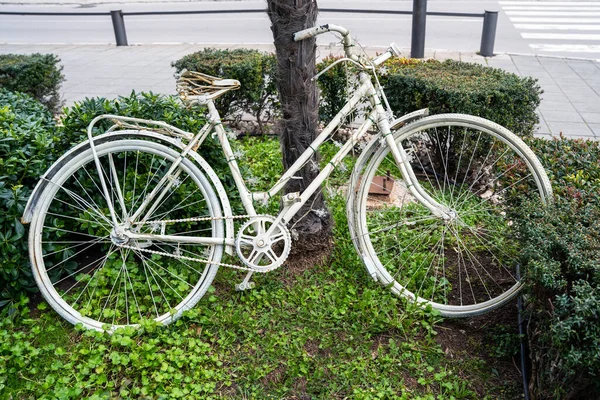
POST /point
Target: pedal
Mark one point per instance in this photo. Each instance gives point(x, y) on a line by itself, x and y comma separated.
point(244, 286)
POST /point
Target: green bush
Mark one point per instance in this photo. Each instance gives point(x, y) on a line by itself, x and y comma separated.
point(573, 167)
point(561, 261)
point(459, 87)
point(38, 75)
point(254, 69)
point(27, 143)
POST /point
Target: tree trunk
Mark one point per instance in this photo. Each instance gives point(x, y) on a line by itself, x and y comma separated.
point(300, 105)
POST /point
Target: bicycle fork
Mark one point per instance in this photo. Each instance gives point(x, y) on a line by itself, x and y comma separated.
point(403, 162)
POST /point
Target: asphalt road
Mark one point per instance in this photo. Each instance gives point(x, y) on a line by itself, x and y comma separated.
point(555, 28)
point(455, 33)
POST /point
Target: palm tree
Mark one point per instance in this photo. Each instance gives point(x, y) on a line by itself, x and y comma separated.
point(299, 102)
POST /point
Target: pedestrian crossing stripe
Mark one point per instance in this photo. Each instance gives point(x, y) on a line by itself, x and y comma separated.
point(557, 26)
point(561, 36)
point(556, 20)
point(555, 13)
point(547, 8)
point(579, 48)
point(548, 3)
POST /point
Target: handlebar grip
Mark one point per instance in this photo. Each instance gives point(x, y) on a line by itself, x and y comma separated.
point(393, 51)
point(310, 32)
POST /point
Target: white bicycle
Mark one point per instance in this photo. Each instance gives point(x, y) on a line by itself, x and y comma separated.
point(133, 223)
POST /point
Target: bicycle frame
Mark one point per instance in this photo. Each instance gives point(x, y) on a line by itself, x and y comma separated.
point(292, 202)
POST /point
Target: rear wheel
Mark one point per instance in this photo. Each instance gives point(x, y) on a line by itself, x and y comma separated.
point(89, 272)
point(466, 264)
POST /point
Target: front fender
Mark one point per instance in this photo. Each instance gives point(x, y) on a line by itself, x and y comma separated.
point(123, 134)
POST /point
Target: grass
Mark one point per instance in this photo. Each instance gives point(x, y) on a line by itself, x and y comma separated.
point(325, 331)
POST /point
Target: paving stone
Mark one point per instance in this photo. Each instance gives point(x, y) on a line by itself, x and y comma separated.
point(526, 61)
point(562, 116)
point(570, 129)
point(581, 96)
point(495, 63)
point(552, 96)
point(587, 107)
point(542, 128)
point(562, 75)
point(591, 118)
point(556, 106)
point(596, 129)
point(571, 82)
point(551, 87)
point(539, 74)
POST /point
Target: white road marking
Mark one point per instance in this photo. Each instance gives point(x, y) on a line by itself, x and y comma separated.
point(559, 27)
point(561, 36)
point(546, 8)
point(556, 20)
point(548, 3)
point(571, 48)
point(554, 13)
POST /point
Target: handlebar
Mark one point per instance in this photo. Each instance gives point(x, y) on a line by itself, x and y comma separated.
point(317, 30)
point(346, 40)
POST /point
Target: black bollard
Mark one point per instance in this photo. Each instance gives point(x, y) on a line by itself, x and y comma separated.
point(119, 27)
point(417, 46)
point(488, 36)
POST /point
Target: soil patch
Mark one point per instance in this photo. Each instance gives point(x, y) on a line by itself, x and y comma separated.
point(468, 339)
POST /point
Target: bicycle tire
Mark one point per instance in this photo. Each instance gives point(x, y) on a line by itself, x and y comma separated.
point(462, 266)
point(87, 278)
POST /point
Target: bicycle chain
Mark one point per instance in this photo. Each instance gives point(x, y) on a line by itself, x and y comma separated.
point(195, 219)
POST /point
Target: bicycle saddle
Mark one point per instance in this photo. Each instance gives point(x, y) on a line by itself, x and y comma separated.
point(198, 87)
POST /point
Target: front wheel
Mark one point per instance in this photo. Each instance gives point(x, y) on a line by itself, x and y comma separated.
point(89, 272)
point(479, 173)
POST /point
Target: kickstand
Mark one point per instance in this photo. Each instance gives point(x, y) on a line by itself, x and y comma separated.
point(246, 284)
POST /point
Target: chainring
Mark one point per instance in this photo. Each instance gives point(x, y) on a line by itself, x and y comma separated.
point(263, 245)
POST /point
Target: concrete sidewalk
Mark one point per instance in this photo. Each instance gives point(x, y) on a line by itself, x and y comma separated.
point(570, 104)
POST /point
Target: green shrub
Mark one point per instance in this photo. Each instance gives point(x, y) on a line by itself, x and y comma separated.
point(561, 261)
point(38, 75)
point(561, 257)
point(27, 145)
point(458, 87)
point(254, 69)
point(573, 167)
